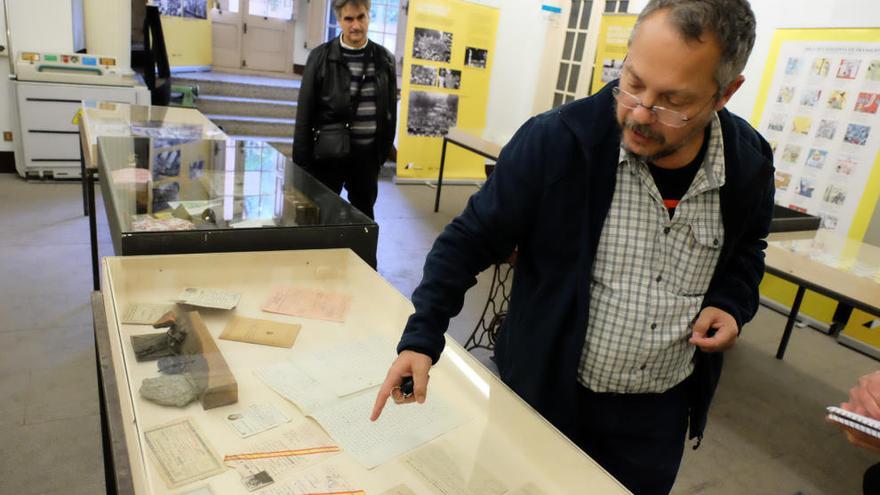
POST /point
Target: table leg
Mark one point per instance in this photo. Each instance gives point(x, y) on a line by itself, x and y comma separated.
point(440, 176)
point(93, 227)
point(82, 176)
point(789, 325)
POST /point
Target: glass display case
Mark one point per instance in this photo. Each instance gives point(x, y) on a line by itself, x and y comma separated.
point(167, 195)
point(293, 417)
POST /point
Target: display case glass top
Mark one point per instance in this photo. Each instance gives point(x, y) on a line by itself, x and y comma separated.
point(300, 409)
point(209, 195)
point(105, 119)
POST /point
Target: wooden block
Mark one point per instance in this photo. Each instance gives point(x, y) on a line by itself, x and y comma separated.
point(209, 370)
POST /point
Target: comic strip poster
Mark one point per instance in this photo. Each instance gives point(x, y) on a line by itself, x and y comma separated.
point(820, 115)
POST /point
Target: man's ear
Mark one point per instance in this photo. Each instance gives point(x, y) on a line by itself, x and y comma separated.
point(729, 91)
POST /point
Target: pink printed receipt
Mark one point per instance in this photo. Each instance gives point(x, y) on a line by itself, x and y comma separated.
point(308, 303)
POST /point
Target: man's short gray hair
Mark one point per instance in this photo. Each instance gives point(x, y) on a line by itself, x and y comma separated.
point(338, 5)
point(731, 21)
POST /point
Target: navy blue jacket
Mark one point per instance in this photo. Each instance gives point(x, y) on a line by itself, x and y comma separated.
point(548, 198)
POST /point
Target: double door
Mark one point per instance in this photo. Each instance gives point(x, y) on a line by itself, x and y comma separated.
point(253, 34)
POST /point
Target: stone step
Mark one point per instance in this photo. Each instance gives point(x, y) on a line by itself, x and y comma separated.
point(242, 89)
point(238, 125)
point(251, 107)
point(282, 144)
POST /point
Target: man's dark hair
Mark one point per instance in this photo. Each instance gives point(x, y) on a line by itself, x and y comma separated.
point(732, 22)
point(338, 5)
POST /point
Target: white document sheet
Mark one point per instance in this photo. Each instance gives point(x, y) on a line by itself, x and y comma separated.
point(295, 385)
point(399, 490)
point(326, 479)
point(306, 435)
point(400, 429)
point(208, 298)
point(144, 313)
point(182, 453)
point(256, 419)
point(447, 476)
point(350, 367)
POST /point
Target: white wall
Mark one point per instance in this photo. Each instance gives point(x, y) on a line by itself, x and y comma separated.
point(519, 49)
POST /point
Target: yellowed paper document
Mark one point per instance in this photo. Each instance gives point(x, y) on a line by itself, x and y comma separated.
point(143, 313)
point(308, 303)
point(182, 453)
point(256, 331)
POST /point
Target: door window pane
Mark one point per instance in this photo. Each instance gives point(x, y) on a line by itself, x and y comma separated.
point(280, 9)
point(563, 76)
point(566, 49)
point(575, 11)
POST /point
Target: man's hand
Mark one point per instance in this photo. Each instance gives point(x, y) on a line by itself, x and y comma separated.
point(864, 398)
point(724, 326)
point(408, 363)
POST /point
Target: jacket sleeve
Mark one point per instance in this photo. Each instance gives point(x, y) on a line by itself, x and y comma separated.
point(305, 111)
point(392, 100)
point(735, 289)
point(487, 231)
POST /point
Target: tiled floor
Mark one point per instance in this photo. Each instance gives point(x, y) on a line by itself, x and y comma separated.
point(766, 433)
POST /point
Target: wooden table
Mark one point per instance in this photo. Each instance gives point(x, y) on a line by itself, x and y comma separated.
point(503, 435)
point(469, 141)
point(831, 265)
point(104, 119)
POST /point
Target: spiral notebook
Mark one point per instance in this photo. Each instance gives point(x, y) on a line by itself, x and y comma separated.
point(858, 422)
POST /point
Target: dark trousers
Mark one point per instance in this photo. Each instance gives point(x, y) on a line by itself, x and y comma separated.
point(358, 173)
point(638, 438)
point(871, 481)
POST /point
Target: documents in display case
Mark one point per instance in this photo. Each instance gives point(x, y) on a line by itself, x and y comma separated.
point(177, 195)
point(301, 422)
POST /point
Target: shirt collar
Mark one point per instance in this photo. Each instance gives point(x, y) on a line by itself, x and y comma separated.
point(349, 47)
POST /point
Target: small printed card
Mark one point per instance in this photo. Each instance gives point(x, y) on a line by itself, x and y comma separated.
point(256, 419)
point(208, 298)
point(308, 303)
point(144, 314)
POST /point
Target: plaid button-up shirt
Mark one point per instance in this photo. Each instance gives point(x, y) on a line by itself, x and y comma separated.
point(649, 277)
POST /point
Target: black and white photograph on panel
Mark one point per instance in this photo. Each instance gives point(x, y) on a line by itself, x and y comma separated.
point(164, 194)
point(166, 164)
point(476, 57)
point(423, 75)
point(450, 78)
point(431, 114)
point(195, 8)
point(170, 7)
point(431, 44)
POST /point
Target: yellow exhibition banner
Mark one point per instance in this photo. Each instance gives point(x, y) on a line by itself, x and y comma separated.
point(817, 106)
point(614, 34)
point(447, 65)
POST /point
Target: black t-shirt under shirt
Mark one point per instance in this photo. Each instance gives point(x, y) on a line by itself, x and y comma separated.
point(674, 183)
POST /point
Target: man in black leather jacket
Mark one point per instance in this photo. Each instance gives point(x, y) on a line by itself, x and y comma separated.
point(348, 94)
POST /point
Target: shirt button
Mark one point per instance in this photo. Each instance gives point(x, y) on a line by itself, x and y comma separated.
point(642, 367)
point(714, 242)
point(659, 278)
point(653, 326)
point(666, 230)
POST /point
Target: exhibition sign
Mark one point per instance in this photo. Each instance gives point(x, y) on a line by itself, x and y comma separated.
point(447, 66)
point(817, 106)
point(611, 50)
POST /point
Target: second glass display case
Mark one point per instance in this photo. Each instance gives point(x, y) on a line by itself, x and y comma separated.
point(167, 196)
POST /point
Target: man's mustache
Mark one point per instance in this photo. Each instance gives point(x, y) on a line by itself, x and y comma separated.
point(644, 130)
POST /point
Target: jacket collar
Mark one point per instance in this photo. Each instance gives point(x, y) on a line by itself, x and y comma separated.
point(335, 50)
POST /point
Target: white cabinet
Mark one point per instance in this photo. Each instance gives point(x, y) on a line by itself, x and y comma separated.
point(49, 144)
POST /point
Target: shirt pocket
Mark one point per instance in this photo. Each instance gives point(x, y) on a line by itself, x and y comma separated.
point(694, 263)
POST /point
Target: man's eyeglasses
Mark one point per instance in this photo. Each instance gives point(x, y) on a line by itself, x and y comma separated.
point(665, 116)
